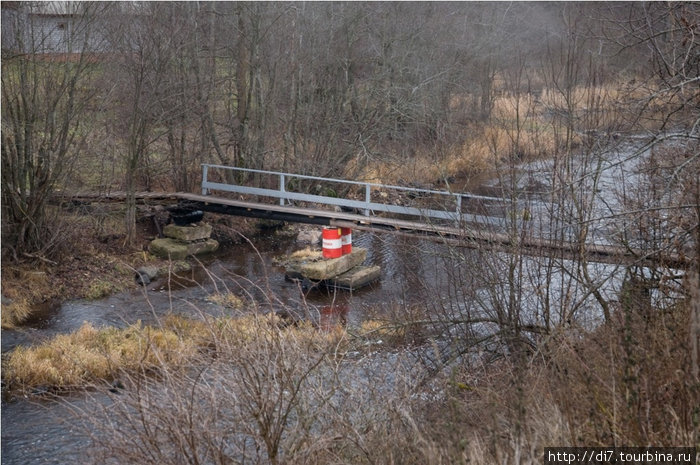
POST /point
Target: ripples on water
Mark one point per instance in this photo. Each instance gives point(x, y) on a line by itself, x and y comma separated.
point(415, 273)
point(42, 432)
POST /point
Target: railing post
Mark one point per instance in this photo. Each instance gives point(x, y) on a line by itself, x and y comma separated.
point(459, 209)
point(205, 169)
point(367, 198)
point(282, 189)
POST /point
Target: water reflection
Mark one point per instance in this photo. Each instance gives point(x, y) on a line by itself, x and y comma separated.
point(332, 316)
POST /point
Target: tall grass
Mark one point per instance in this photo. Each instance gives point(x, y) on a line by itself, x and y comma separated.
point(525, 125)
point(91, 355)
point(19, 299)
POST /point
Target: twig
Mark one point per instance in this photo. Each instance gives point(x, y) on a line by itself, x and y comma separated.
point(39, 257)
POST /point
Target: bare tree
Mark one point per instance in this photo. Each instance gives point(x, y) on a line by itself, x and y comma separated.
point(47, 86)
point(143, 58)
point(255, 398)
point(666, 108)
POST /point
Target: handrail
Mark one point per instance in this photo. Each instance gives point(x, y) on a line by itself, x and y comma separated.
point(358, 183)
point(367, 205)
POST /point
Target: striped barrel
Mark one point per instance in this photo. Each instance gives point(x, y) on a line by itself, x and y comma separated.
point(332, 245)
point(346, 240)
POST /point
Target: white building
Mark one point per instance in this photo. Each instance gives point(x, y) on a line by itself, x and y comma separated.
point(53, 28)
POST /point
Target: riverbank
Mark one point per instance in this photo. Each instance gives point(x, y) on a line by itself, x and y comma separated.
point(479, 405)
point(92, 356)
point(581, 389)
point(95, 263)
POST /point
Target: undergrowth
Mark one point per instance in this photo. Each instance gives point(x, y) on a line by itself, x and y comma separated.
point(628, 382)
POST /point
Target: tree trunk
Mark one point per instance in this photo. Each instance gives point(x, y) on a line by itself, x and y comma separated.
point(130, 203)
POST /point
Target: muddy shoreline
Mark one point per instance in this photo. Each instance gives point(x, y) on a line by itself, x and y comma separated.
point(95, 266)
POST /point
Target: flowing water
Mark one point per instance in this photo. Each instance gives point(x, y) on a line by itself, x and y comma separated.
point(250, 271)
point(414, 273)
point(36, 431)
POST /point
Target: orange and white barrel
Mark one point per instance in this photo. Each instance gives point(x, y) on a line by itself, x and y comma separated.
point(332, 245)
point(346, 240)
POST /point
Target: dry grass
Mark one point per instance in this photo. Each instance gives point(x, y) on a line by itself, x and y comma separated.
point(297, 394)
point(24, 288)
point(78, 359)
point(100, 288)
point(522, 127)
point(15, 312)
point(492, 145)
point(93, 262)
point(226, 299)
point(306, 254)
point(334, 396)
point(419, 168)
point(630, 381)
point(91, 354)
point(381, 332)
point(627, 383)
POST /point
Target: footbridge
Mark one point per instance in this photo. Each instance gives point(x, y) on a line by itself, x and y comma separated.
point(462, 219)
point(319, 200)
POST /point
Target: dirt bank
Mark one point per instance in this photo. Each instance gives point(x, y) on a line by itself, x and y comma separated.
point(94, 263)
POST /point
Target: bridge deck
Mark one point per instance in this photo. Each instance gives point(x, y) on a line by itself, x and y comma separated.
point(465, 235)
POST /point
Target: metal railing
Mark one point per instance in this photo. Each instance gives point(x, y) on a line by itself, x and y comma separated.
point(367, 206)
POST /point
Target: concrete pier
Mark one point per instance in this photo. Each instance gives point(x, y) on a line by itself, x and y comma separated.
point(183, 241)
point(330, 268)
point(356, 278)
point(346, 272)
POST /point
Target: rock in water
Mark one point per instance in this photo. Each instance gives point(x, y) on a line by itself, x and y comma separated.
point(178, 250)
point(327, 269)
point(168, 248)
point(145, 275)
point(189, 233)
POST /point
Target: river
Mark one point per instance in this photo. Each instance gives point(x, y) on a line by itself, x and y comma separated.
point(39, 431)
